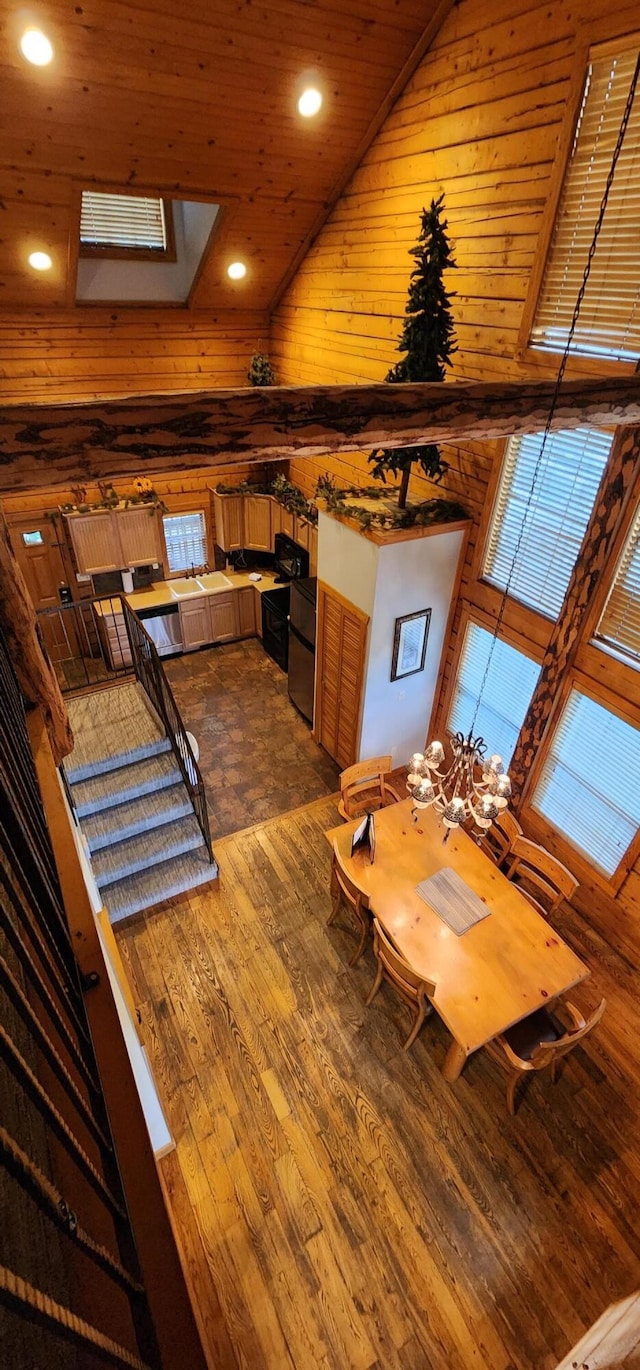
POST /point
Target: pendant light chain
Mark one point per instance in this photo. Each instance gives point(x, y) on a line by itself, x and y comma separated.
point(559, 379)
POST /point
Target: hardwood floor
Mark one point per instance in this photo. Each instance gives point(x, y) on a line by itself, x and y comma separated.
point(350, 1208)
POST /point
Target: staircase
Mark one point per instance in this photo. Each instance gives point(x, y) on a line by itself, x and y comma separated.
point(143, 838)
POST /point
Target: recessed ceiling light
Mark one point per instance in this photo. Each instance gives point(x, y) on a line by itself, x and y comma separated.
point(236, 271)
point(310, 102)
point(40, 261)
point(35, 46)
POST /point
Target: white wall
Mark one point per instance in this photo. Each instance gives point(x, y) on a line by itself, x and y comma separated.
point(112, 278)
point(413, 575)
point(348, 562)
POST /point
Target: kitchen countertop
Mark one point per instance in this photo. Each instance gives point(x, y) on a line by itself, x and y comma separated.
point(160, 593)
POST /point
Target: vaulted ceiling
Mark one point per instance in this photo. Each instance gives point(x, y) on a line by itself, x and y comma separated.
point(194, 101)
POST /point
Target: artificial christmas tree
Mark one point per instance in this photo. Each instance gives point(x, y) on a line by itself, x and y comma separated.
point(428, 340)
point(261, 372)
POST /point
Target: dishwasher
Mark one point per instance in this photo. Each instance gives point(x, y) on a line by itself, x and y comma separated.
point(162, 623)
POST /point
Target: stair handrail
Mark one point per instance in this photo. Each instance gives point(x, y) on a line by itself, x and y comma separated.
point(149, 672)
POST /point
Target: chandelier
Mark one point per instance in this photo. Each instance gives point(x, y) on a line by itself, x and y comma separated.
point(471, 788)
point(456, 793)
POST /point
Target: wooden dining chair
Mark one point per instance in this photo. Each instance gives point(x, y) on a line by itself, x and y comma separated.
point(540, 1041)
point(363, 787)
point(498, 841)
point(343, 891)
point(409, 985)
point(543, 880)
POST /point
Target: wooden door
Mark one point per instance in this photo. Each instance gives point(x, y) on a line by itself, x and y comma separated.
point(195, 622)
point(39, 556)
point(224, 616)
point(96, 542)
point(139, 536)
point(341, 650)
point(246, 611)
point(257, 523)
point(228, 514)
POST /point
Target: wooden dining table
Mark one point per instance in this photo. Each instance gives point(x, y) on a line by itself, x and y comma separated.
point(497, 972)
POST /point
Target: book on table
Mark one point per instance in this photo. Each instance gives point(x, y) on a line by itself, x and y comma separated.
point(364, 837)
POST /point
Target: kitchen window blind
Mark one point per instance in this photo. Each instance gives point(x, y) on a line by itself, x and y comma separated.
point(510, 684)
point(122, 221)
point(588, 788)
point(185, 537)
point(563, 498)
point(609, 322)
point(620, 622)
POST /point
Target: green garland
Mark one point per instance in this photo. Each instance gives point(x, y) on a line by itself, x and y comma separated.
point(110, 499)
point(424, 515)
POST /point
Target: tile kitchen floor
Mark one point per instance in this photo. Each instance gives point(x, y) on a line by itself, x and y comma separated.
point(257, 756)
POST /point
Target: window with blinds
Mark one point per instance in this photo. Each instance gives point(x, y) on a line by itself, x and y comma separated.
point(561, 504)
point(589, 789)
point(609, 322)
point(619, 626)
point(129, 222)
point(508, 689)
point(185, 537)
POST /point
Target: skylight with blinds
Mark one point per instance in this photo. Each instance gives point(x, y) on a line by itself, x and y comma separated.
point(185, 537)
point(619, 626)
point(510, 684)
point(609, 322)
point(129, 222)
point(561, 505)
point(596, 806)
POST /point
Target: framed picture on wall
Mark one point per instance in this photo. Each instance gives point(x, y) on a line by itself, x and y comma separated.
point(410, 644)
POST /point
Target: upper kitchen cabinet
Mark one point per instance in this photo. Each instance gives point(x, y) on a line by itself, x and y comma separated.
point(228, 513)
point(96, 542)
point(140, 537)
point(281, 520)
point(257, 523)
point(113, 539)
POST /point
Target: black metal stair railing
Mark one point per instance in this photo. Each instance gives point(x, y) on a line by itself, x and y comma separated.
point(150, 673)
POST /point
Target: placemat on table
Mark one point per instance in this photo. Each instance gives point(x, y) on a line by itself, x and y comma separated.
point(453, 900)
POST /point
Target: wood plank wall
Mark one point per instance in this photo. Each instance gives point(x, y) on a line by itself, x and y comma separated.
point(100, 353)
point(484, 119)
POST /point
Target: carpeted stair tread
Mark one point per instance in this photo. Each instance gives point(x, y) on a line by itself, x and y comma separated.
point(149, 811)
point(147, 849)
point(163, 881)
point(111, 728)
point(127, 782)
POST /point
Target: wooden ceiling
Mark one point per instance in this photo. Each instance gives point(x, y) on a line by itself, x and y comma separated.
point(194, 101)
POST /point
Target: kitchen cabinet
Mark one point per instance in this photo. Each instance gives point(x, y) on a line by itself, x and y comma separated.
point(224, 622)
point(246, 611)
point(228, 515)
point(313, 549)
point(195, 622)
point(140, 539)
point(301, 531)
point(281, 521)
point(257, 523)
point(113, 539)
point(95, 542)
point(340, 660)
point(113, 633)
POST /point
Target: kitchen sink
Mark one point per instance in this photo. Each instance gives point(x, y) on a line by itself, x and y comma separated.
point(189, 585)
point(215, 580)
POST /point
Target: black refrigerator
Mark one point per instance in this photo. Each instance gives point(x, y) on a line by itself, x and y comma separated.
point(302, 644)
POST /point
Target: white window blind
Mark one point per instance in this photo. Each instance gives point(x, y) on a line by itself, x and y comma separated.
point(609, 321)
point(561, 505)
point(620, 622)
point(185, 536)
point(589, 786)
point(122, 221)
point(510, 684)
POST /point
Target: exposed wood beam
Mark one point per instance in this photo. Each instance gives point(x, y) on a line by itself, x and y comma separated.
point(64, 444)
